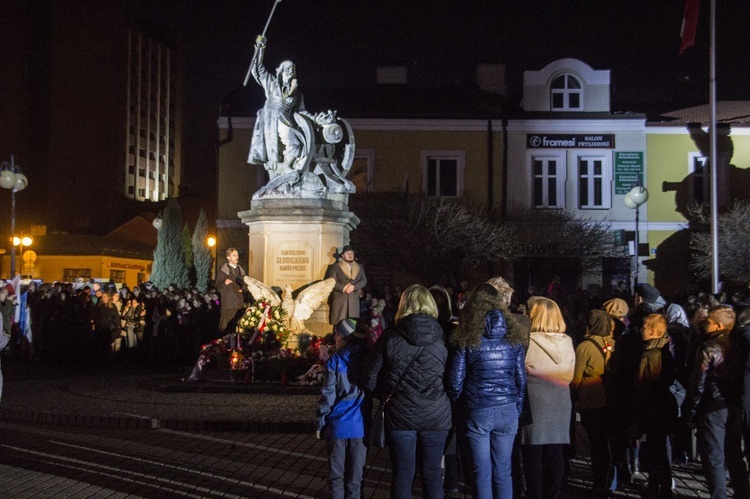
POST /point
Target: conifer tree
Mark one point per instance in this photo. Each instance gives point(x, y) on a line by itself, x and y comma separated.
point(202, 253)
point(187, 245)
point(169, 256)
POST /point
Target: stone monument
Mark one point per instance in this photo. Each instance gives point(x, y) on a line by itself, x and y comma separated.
point(300, 218)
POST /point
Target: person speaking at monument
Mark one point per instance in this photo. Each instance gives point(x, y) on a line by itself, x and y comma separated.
point(350, 279)
point(231, 287)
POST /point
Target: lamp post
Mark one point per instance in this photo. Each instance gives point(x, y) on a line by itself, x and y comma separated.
point(211, 243)
point(12, 178)
point(21, 241)
point(633, 200)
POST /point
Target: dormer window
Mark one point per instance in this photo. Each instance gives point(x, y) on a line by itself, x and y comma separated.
point(566, 93)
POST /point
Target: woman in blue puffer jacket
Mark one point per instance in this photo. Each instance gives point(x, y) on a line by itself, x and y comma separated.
point(488, 377)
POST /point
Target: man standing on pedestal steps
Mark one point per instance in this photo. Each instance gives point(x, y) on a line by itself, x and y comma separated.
point(350, 279)
point(231, 287)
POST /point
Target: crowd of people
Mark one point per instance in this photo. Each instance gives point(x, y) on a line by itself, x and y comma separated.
point(475, 380)
point(93, 324)
point(480, 381)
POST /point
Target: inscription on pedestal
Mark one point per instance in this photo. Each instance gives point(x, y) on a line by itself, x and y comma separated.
point(293, 263)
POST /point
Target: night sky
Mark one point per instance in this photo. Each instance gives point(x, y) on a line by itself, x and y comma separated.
point(339, 43)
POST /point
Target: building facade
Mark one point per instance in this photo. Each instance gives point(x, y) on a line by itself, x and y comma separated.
point(94, 113)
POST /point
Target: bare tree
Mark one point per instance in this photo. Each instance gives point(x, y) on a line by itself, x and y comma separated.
point(432, 239)
point(583, 237)
point(734, 233)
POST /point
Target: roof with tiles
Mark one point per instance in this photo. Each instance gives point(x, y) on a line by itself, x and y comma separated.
point(729, 112)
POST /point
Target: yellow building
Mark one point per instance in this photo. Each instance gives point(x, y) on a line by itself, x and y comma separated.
point(124, 256)
point(438, 143)
point(678, 151)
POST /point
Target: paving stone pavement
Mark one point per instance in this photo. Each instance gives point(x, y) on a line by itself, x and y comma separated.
point(131, 433)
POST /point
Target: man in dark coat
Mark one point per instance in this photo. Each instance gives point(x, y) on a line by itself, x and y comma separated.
point(713, 405)
point(230, 285)
point(350, 279)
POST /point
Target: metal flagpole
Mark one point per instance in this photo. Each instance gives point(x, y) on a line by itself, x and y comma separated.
point(713, 159)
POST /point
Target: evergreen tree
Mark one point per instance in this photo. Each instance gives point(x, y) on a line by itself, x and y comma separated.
point(202, 253)
point(169, 256)
point(187, 245)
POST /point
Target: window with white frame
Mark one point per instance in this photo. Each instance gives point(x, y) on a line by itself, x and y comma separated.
point(362, 168)
point(549, 182)
point(443, 173)
point(593, 182)
point(566, 93)
point(699, 179)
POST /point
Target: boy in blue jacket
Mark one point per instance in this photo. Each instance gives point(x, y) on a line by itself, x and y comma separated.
point(340, 412)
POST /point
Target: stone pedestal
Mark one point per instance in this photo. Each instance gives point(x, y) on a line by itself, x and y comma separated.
point(293, 241)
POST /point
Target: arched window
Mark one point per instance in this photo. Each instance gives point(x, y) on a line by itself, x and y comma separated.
point(566, 93)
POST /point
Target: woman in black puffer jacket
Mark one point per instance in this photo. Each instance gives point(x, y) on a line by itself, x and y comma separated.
point(419, 414)
point(488, 376)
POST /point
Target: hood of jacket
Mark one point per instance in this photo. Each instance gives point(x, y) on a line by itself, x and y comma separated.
point(420, 329)
point(494, 325)
point(553, 344)
point(676, 313)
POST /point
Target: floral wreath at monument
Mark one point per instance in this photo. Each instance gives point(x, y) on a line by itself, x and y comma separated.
point(265, 320)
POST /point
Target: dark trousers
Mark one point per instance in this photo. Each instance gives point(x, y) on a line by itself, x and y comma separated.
point(346, 462)
point(543, 468)
point(403, 446)
point(659, 465)
point(720, 445)
point(596, 424)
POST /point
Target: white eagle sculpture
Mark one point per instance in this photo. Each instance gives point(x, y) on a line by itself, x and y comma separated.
point(299, 309)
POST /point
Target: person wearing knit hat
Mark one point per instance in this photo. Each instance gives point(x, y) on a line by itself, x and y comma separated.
point(649, 294)
point(592, 359)
point(340, 415)
point(349, 327)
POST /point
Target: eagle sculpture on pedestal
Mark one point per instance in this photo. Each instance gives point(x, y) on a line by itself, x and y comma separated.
point(298, 309)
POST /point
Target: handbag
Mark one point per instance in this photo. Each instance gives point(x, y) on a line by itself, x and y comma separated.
point(376, 435)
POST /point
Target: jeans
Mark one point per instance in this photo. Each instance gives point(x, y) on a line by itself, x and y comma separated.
point(403, 445)
point(346, 463)
point(543, 467)
point(490, 433)
point(720, 444)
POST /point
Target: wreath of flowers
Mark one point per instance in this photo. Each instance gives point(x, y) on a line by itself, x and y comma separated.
point(268, 320)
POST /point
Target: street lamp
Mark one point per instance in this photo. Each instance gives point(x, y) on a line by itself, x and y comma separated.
point(211, 243)
point(633, 200)
point(21, 241)
point(12, 178)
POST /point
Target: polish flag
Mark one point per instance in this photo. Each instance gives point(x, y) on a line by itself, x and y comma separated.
point(14, 286)
point(689, 24)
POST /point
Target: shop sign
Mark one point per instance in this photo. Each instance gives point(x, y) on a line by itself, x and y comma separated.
point(574, 141)
point(628, 171)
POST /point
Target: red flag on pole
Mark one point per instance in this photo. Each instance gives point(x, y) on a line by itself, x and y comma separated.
point(689, 24)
